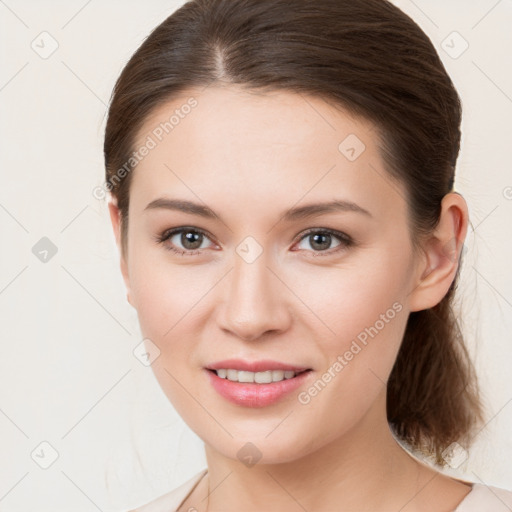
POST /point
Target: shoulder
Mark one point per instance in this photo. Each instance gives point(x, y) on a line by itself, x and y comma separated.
point(171, 501)
point(486, 498)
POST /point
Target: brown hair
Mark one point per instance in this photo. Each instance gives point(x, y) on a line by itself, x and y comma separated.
point(371, 59)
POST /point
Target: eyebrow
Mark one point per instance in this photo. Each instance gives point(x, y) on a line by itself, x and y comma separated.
point(293, 214)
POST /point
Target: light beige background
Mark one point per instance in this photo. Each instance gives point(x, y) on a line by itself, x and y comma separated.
point(69, 378)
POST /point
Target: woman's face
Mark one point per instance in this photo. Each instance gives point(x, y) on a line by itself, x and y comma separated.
point(261, 276)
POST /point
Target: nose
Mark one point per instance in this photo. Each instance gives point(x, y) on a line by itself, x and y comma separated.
point(256, 302)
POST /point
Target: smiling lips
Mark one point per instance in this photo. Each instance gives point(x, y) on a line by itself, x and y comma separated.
point(255, 384)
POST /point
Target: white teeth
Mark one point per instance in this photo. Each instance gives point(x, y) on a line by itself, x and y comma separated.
point(277, 375)
point(232, 375)
point(246, 377)
point(265, 377)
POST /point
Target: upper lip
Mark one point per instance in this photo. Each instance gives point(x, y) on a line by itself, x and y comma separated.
point(254, 366)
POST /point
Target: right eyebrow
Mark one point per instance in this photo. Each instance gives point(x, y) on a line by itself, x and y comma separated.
point(182, 206)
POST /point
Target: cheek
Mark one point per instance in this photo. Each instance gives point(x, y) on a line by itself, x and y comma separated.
point(369, 308)
point(365, 311)
point(360, 300)
point(168, 301)
point(165, 294)
point(358, 360)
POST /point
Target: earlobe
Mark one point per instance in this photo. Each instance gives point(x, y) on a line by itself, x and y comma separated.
point(442, 250)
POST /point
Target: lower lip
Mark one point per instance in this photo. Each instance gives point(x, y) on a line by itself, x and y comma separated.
point(255, 395)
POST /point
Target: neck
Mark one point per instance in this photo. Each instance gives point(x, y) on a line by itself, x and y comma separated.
point(365, 469)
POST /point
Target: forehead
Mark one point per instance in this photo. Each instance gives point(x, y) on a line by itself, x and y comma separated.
point(232, 118)
point(250, 147)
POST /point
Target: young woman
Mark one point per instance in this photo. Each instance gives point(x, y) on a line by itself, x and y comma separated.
point(282, 182)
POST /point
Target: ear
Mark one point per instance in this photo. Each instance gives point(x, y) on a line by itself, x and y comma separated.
point(115, 218)
point(438, 267)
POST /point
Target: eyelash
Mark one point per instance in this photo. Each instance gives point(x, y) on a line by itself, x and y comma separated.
point(346, 241)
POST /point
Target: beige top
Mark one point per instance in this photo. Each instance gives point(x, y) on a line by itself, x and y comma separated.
point(482, 498)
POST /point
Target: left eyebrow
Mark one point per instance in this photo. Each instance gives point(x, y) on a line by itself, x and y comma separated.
point(314, 209)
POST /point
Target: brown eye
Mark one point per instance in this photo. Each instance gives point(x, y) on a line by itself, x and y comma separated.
point(182, 240)
point(191, 239)
point(322, 241)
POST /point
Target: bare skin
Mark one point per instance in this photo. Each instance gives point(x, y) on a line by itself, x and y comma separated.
point(250, 157)
point(418, 489)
